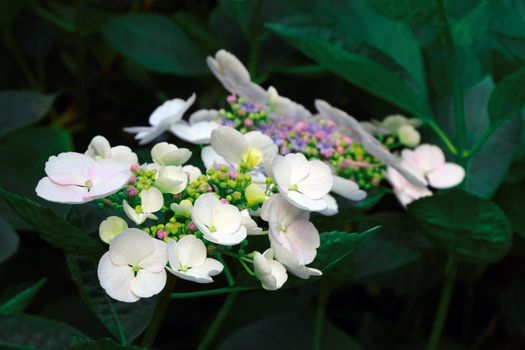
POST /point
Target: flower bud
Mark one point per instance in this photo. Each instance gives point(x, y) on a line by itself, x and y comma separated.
point(183, 208)
point(111, 227)
point(254, 194)
point(168, 154)
point(171, 179)
point(409, 136)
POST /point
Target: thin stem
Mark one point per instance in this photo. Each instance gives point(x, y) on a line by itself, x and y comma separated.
point(204, 293)
point(217, 322)
point(160, 311)
point(457, 84)
point(227, 272)
point(444, 301)
point(441, 134)
point(319, 318)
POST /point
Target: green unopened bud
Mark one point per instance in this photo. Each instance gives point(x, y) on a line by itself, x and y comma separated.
point(111, 227)
point(409, 136)
point(254, 194)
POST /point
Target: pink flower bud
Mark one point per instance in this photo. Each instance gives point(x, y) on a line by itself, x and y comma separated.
point(224, 201)
point(192, 227)
point(161, 234)
point(257, 106)
point(210, 189)
point(232, 174)
point(132, 191)
point(376, 181)
point(242, 111)
point(248, 122)
point(231, 99)
point(132, 180)
point(134, 167)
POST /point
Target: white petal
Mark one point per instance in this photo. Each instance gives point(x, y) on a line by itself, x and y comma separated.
point(318, 182)
point(263, 143)
point(251, 226)
point(303, 202)
point(348, 189)
point(198, 133)
point(229, 143)
point(116, 280)
point(448, 175)
point(282, 173)
point(210, 158)
point(147, 284)
point(69, 168)
point(131, 247)
point(292, 265)
point(332, 208)
point(202, 273)
point(132, 214)
point(204, 115)
point(190, 251)
point(226, 238)
point(157, 260)
point(151, 200)
point(202, 212)
point(107, 177)
point(226, 218)
point(302, 240)
point(192, 172)
point(53, 192)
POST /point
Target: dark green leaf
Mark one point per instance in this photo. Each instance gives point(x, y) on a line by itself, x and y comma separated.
point(463, 224)
point(20, 108)
point(510, 199)
point(198, 31)
point(508, 97)
point(486, 170)
point(287, 331)
point(367, 74)
point(21, 300)
point(101, 344)
point(125, 321)
point(408, 11)
point(155, 42)
point(9, 239)
point(337, 246)
point(56, 231)
point(33, 332)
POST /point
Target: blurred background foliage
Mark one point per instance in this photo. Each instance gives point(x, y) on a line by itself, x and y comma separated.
point(70, 70)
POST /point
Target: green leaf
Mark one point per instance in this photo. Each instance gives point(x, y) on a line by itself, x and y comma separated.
point(508, 97)
point(486, 170)
point(287, 331)
point(361, 71)
point(33, 332)
point(198, 31)
point(125, 321)
point(56, 231)
point(337, 247)
point(21, 300)
point(463, 224)
point(101, 344)
point(156, 43)
point(510, 199)
point(9, 239)
point(21, 108)
point(408, 11)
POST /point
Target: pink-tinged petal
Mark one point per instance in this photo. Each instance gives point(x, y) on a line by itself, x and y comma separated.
point(292, 265)
point(302, 240)
point(303, 202)
point(107, 177)
point(147, 284)
point(189, 251)
point(429, 157)
point(131, 247)
point(448, 175)
point(229, 143)
point(115, 280)
point(157, 260)
point(200, 274)
point(53, 192)
point(226, 238)
point(318, 182)
point(69, 168)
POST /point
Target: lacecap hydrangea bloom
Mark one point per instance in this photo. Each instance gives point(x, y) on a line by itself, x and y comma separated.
point(172, 218)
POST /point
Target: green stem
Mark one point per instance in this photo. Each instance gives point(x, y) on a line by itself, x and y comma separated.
point(204, 293)
point(444, 301)
point(441, 134)
point(227, 272)
point(160, 311)
point(457, 84)
point(319, 318)
point(217, 322)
